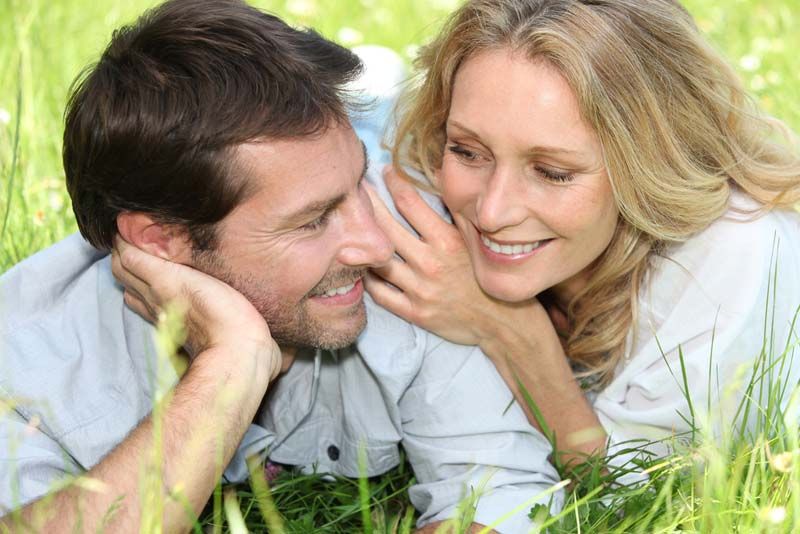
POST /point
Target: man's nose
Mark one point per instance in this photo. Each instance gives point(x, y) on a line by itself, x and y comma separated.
point(499, 205)
point(366, 244)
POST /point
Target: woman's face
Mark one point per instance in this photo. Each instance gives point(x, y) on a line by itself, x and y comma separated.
point(524, 178)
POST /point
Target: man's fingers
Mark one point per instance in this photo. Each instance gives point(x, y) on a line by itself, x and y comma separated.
point(397, 273)
point(141, 264)
point(125, 277)
point(392, 299)
point(137, 304)
point(414, 209)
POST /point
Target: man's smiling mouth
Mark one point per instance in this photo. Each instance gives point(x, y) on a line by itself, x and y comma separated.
point(339, 290)
point(342, 295)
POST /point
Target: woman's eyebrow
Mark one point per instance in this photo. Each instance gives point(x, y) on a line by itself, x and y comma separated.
point(556, 150)
point(452, 123)
point(534, 150)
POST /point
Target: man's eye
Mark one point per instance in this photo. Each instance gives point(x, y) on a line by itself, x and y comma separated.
point(317, 223)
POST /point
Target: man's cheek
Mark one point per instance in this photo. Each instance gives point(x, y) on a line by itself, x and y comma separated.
point(306, 271)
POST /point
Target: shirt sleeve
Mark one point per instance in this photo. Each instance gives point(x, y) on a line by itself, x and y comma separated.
point(465, 436)
point(31, 463)
point(709, 311)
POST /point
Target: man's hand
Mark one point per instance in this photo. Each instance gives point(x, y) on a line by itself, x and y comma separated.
point(200, 424)
point(216, 314)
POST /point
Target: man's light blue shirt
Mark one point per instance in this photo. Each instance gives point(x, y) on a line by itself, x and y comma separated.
point(79, 370)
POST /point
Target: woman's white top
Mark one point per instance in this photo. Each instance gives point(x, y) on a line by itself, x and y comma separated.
point(723, 299)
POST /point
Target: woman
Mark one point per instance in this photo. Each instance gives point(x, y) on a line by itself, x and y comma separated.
point(622, 216)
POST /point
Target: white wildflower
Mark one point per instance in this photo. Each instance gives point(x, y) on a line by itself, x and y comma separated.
point(349, 36)
point(750, 62)
point(55, 201)
point(774, 515)
point(302, 8)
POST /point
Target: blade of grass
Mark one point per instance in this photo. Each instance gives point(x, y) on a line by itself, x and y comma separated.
point(363, 490)
point(14, 153)
point(263, 496)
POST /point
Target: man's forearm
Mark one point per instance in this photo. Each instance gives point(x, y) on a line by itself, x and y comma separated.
point(190, 439)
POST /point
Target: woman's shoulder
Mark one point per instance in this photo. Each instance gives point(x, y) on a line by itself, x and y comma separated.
point(722, 275)
point(702, 311)
point(747, 224)
point(736, 253)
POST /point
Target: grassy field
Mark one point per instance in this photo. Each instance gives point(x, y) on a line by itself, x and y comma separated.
point(733, 487)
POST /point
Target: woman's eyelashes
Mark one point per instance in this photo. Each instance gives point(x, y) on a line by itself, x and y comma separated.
point(554, 175)
point(471, 157)
point(463, 153)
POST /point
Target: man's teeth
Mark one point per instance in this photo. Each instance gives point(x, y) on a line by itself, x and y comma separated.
point(510, 249)
point(338, 291)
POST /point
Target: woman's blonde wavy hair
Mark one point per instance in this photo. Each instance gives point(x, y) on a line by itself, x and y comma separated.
point(677, 129)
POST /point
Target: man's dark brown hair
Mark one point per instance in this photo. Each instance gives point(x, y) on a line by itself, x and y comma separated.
point(152, 125)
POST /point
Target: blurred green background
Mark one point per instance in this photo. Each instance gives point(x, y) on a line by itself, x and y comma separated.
point(44, 44)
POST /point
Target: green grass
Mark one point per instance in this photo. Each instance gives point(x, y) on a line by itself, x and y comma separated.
point(739, 485)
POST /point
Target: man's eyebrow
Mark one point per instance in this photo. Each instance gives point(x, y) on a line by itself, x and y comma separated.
point(307, 212)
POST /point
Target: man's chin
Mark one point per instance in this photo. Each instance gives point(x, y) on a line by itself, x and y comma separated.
point(342, 329)
point(326, 328)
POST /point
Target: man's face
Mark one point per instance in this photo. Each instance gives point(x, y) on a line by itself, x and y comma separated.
point(299, 246)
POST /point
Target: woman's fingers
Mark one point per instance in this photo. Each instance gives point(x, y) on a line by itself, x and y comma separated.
point(397, 273)
point(407, 245)
point(427, 223)
point(388, 297)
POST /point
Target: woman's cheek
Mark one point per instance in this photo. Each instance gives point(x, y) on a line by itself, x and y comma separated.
point(458, 188)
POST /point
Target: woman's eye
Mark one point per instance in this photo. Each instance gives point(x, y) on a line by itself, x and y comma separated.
point(554, 175)
point(463, 153)
point(317, 223)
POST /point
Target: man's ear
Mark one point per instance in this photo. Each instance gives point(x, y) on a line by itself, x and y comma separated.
point(168, 241)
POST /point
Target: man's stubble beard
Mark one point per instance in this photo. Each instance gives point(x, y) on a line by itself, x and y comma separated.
point(290, 325)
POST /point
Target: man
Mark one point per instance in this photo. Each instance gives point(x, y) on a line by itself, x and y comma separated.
point(211, 142)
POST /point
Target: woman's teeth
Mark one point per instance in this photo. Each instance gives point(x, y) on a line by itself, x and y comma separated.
point(338, 291)
point(510, 249)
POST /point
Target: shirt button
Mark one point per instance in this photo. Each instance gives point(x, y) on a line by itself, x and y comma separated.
point(333, 452)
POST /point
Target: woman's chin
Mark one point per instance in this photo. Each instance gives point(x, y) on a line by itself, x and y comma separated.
point(507, 290)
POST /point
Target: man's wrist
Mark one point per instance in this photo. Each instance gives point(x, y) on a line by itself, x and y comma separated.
point(250, 366)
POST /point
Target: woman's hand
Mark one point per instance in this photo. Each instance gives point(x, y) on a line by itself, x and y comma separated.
point(216, 315)
point(436, 287)
point(437, 291)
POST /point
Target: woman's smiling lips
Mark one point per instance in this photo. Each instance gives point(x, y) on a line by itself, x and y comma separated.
point(509, 252)
point(342, 296)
